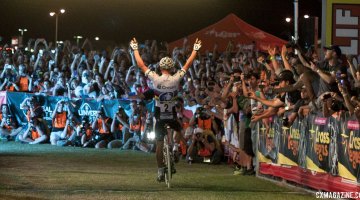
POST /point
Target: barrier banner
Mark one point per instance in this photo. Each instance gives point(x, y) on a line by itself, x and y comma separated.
point(230, 126)
point(14, 99)
point(263, 150)
point(303, 126)
point(269, 141)
point(87, 107)
point(319, 139)
point(3, 97)
point(81, 107)
point(349, 149)
point(289, 144)
point(334, 125)
point(276, 126)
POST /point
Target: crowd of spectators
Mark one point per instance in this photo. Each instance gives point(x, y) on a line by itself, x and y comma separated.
point(222, 90)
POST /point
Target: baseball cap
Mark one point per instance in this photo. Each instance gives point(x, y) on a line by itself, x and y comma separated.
point(198, 130)
point(335, 48)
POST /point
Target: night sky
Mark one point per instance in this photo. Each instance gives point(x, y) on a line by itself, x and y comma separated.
point(119, 20)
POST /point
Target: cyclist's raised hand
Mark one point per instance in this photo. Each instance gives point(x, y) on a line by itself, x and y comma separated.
point(134, 44)
point(197, 44)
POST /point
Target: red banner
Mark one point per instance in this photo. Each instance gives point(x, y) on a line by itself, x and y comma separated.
point(318, 181)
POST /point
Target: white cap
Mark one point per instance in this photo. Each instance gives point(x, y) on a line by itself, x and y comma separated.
point(198, 130)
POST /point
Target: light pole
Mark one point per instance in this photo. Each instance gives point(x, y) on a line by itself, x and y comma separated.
point(308, 30)
point(22, 30)
point(21, 39)
point(288, 32)
point(56, 14)
point(78, 37)
point(296, 20)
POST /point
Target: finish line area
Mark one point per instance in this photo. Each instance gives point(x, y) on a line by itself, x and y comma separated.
point(48, 172)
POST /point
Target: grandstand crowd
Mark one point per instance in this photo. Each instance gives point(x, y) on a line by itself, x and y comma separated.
point(222, 90)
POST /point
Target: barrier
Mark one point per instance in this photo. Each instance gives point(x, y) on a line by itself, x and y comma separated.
point(2, 97)
point(83, 107)
point(317, 152)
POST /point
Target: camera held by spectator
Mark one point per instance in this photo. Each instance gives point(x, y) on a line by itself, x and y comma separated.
point(201, 113)
point(198, 135)
point(101, 112)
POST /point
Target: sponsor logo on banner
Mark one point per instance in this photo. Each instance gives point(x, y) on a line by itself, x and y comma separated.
point(85, 110)
point(257, 35)
point(48, 111)
point(222, 34)
point(293, 141)
point(322, 144)
point(354, 150)
point(320, 121)
point(353, 125)
point(271, 119)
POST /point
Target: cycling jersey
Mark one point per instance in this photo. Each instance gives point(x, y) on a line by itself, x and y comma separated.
point(165, 88)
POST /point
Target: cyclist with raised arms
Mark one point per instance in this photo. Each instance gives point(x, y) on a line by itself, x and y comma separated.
point(165, 88)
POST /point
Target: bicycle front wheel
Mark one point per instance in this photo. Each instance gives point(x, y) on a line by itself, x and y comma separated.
point(167, 159)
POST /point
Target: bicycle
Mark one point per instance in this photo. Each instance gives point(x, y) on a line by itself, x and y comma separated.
point(168, 156)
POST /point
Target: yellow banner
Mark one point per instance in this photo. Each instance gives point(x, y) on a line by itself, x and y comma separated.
point(311, 166)
point(283, 160)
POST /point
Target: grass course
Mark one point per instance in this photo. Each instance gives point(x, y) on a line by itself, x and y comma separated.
point(48, 172)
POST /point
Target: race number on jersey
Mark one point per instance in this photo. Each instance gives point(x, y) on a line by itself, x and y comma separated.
point(166, 105)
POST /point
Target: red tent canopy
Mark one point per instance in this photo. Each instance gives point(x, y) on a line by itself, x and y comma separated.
point(231, 28)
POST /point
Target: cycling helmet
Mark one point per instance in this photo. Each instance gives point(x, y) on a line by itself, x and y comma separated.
point(166, 63)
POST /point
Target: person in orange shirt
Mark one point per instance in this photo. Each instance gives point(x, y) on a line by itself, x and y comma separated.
point(32, 107)
point(8, 76)
point(119, 128)
point(9, 86)
point(101, 130)
point(83, 132)
point(68, 135)
point(36, 132)
point(203, 119)
point(183, 116)
point(7, 124)
point(136, 126)
point(23, 80)
point(59, 118)
point(203, 148)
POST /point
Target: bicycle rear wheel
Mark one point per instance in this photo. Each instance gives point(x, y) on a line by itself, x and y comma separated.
point(167, 161)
